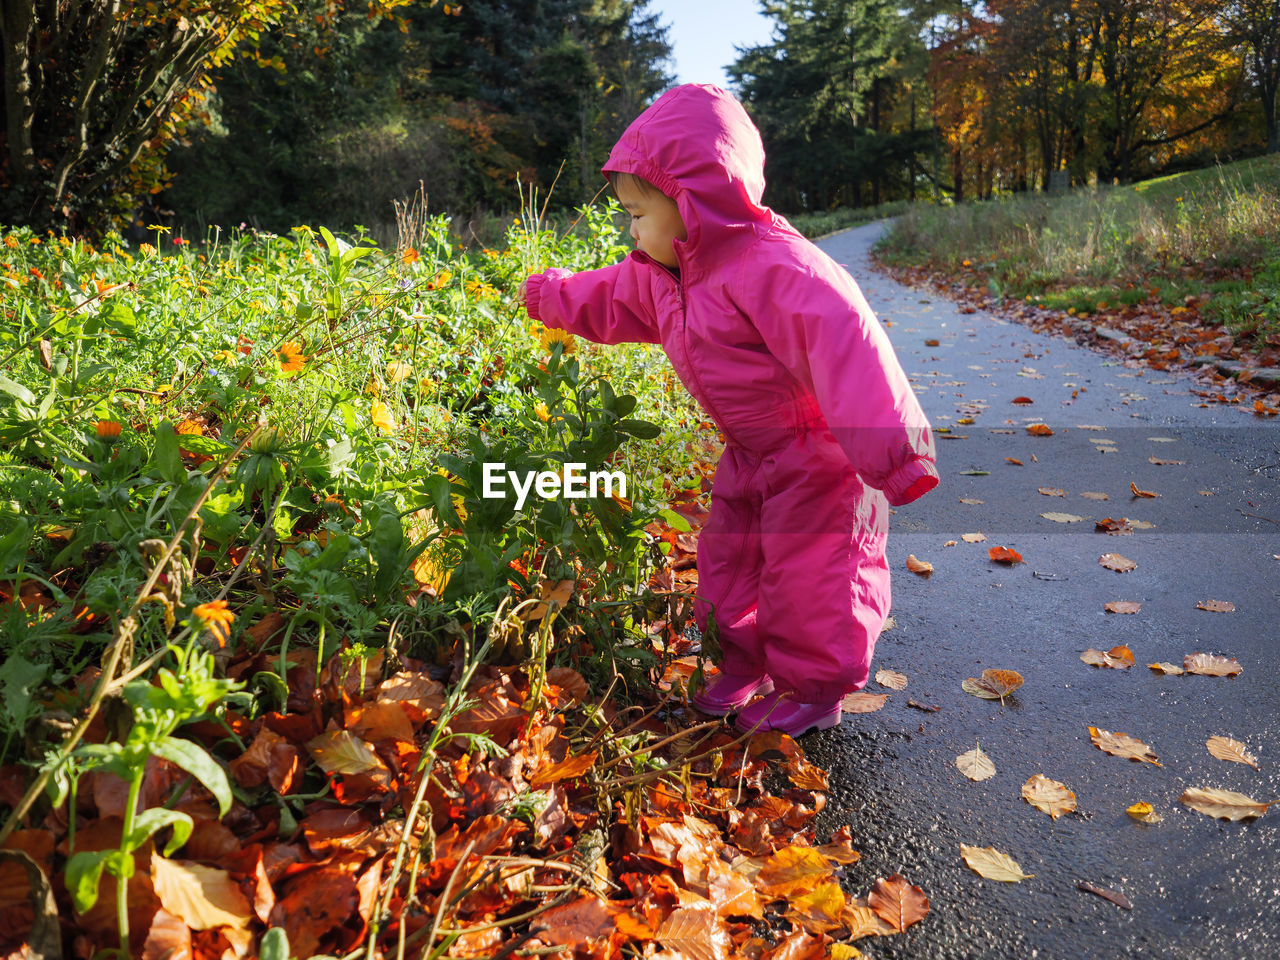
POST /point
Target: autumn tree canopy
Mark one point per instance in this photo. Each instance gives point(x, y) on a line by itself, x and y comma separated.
point(1014, 92)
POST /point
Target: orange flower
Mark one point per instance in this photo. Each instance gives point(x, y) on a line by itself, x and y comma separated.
point(410, 255)
point(108, 429)
point(216, 618)
point(551, 336)
point(291, 359)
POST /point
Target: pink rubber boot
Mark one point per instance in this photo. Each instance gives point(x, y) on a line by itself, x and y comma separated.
point(779, 712)
point(727, 692)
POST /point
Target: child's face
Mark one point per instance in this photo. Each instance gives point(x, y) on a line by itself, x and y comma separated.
point(655, 220)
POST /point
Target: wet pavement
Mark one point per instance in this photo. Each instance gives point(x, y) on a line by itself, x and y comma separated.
point(1200, 887)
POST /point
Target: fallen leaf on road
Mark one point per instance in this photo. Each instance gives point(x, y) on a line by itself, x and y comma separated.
point(1062, 517)
point(1024, 400)
point(1119, 899)
point(926, 707)
point(897, 902)
point(990, 863)
point(1040, 430)
point(863, 702)
point(1164, 463)
point(1172, 669)
point(976, 765)
point(973, 537)
point(1014, 460)
point(1113, 561)
point(1223, 804)
point(1116, 528)
point(1122, 606)
point(971, 501)
point(1224, 748)
point(1090, 495)
point(1052, 491)
point(891, 679)
point(1211, 665)
point(1123, 745)
point(1004, 555)
point(1216, 606)
point(1144, 813)
point(1141, 493)
point(1048, 796)
point(922, 567)
point(993, 685)
point(1117, 658)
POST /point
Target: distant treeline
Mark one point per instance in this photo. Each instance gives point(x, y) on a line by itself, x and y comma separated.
point(279, 112)
point(873, 101)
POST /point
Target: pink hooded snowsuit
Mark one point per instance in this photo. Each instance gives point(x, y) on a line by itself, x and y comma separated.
point(776, 342)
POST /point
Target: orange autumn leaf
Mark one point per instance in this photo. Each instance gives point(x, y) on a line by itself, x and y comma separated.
point(1114, 561)
point(1123, 745)
point(696, 932)
point(897, 902)
point(566, 769)
point(1141, 493)
point(793, 869)
point(922, 567)
point(1039, 430)
point(1004, 555)
point(1118, 658)
point(1216, 606)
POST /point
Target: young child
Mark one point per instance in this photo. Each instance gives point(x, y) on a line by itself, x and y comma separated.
point(822, 430)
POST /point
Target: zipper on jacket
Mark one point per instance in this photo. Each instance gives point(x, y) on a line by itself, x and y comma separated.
point(684, 342)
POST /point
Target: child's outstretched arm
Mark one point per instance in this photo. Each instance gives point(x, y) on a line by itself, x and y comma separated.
point(610, 305)
point(815, 320)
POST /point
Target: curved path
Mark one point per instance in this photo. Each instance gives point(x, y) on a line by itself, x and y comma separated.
point(1199, 887)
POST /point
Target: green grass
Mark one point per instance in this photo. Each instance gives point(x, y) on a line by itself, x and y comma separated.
point(1204, 232)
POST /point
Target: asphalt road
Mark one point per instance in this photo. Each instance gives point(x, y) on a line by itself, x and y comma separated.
point(1200, 887)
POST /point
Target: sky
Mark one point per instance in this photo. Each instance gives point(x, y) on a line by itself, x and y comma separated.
point(704, 33)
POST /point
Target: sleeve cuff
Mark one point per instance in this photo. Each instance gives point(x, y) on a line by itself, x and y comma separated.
point(532, 294)
point(911, 482)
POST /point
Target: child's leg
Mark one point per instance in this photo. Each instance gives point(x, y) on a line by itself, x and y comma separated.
point(825, 585)
point(729, 564)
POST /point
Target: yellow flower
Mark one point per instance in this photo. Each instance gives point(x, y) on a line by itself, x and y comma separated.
point(398, 370)
point(225, 356)
point(380, 414)
point(108, 429)
point(542, 412)
point(146, 249)
point(373, 387)
point(291, 359)
point(410, 255)
point(551, 336)
point(216, 618)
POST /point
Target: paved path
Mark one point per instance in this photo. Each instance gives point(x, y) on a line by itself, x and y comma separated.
point(1200, 887)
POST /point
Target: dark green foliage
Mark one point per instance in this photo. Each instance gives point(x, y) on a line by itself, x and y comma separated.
point(474, 101)
point(823, 95)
